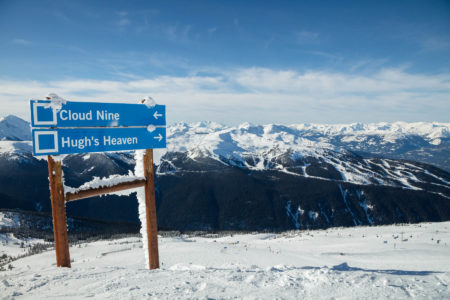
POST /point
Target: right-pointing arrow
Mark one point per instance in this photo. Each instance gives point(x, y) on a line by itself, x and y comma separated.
point(159, 137)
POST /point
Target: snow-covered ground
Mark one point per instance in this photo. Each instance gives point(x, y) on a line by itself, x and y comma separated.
point(15, 247)
point(11, 246)
point(411, 261)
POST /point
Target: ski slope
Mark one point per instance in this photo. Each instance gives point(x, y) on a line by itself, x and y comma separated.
point(388, 262)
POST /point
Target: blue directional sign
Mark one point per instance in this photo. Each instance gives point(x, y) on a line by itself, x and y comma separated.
point(83, 140)
point(95, 114)
point(81, 127)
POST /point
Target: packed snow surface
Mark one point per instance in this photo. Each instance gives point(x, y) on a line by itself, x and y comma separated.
point(389, 262)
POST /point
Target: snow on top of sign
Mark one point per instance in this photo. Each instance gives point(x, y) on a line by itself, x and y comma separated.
point(56, 102)
point(113, 123)
point(148, 101)
point(112, 180)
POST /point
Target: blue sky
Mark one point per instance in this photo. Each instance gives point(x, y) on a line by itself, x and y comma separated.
point(233, 61)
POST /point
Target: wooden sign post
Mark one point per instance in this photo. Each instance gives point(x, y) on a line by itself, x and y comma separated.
point(81, 127)
point(58, 213)
point(150, 210)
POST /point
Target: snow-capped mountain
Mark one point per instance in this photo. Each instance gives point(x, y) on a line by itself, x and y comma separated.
point(295, 149)
point(423, 142)
point(13, 128)
point(262, 176)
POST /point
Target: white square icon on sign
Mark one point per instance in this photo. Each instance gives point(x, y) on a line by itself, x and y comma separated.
point(46, 141)
point(43, 114)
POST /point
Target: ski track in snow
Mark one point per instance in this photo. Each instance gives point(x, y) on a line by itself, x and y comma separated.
point(395, 262)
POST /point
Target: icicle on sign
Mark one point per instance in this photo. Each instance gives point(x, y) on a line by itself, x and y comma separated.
point(80, 127)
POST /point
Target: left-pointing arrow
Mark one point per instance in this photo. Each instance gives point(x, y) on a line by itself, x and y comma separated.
point(159, 137)
point(156, 115)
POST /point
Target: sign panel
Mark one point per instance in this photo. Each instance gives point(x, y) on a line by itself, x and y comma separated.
point(95, 114)
point(83, 140)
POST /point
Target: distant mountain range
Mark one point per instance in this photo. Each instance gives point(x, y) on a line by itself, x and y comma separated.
point(422, 142)
point(254, 177)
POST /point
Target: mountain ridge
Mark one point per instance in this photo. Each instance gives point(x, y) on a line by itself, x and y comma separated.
point(13, 128)
point(252, 177)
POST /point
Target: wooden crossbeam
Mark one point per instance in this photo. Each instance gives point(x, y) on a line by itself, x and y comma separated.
point(92, 192)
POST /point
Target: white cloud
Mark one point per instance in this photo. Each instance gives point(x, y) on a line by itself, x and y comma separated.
point(21, 42)
point(260, 95)
point(435, 43)
point(123, 19)
point(122, 13)
point(306, 37)
point(324, 54)
point(175, 33)
point(314, 82)
point(123, 22)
